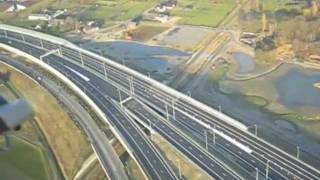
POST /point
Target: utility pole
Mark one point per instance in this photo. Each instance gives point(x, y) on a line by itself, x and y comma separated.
point(179, 167)
point(104, 70)
point(214, 134)
point(173, 110)
point(81, 58)
point(267, 169)
point(255, 126)
point(256, 129)
point(167, 112)
point(120, 99)
point(298, 152)
point(132, 85)
point(122, 59)
point(41, 42)
point(206, 135)
point(257, 173)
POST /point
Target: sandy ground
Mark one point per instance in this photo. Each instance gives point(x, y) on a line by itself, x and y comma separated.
point(186, 38)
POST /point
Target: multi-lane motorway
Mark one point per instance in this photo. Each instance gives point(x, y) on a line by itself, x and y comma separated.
point(210, 164)
point(110, 161)
point(186, 114)
point(152, 162)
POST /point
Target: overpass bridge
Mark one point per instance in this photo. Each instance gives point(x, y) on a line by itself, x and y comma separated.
point(180, 111)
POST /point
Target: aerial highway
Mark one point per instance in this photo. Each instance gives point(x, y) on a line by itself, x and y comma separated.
point(110, 161)
point(269, 159)
point(153, 164)
point(210, 164)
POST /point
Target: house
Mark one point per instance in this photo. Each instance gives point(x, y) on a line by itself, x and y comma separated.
point(162, 18)
point(39, 17)
point(160, 9)
point(46, 15)
point(164, 6)
point(170, 4)
point(16, 8)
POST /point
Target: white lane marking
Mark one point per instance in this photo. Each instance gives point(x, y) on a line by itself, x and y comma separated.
point(78, 73)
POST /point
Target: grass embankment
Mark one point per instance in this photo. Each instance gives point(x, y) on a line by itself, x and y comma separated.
point(204, 12)
point(175, 159)
point(23, 161)
point(146, 32)
point(63, 136)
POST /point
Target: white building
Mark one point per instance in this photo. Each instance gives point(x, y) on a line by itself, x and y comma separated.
point(39, 17)
point(18, 8)
point(162, 18)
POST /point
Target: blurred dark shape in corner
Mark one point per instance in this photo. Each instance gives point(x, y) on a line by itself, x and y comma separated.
point(12, 116)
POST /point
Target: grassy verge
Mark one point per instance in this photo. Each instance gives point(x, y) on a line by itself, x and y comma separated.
point(204, 12)
point(175, 159)
point(23, 161)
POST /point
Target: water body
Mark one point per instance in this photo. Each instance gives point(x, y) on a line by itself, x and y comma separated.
point(246, 62)
point(140, 56)
point(296, 88)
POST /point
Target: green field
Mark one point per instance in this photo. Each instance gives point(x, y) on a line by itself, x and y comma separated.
point(110, 11)
point(106, 10)
point(203, 12)
point(23, 161)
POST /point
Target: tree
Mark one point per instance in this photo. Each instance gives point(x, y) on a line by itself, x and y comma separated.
point(258, 5)
point(264, 22)
point(314, 9)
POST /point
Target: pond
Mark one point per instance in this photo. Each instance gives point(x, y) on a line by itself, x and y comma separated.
point(246, 62)
point(140, 56)
point(296, 88)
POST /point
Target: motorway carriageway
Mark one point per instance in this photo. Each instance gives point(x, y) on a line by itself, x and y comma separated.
point(152, 162)
point(107, 156)
point(210, 164)
point(279, 162)
point(285, 164)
